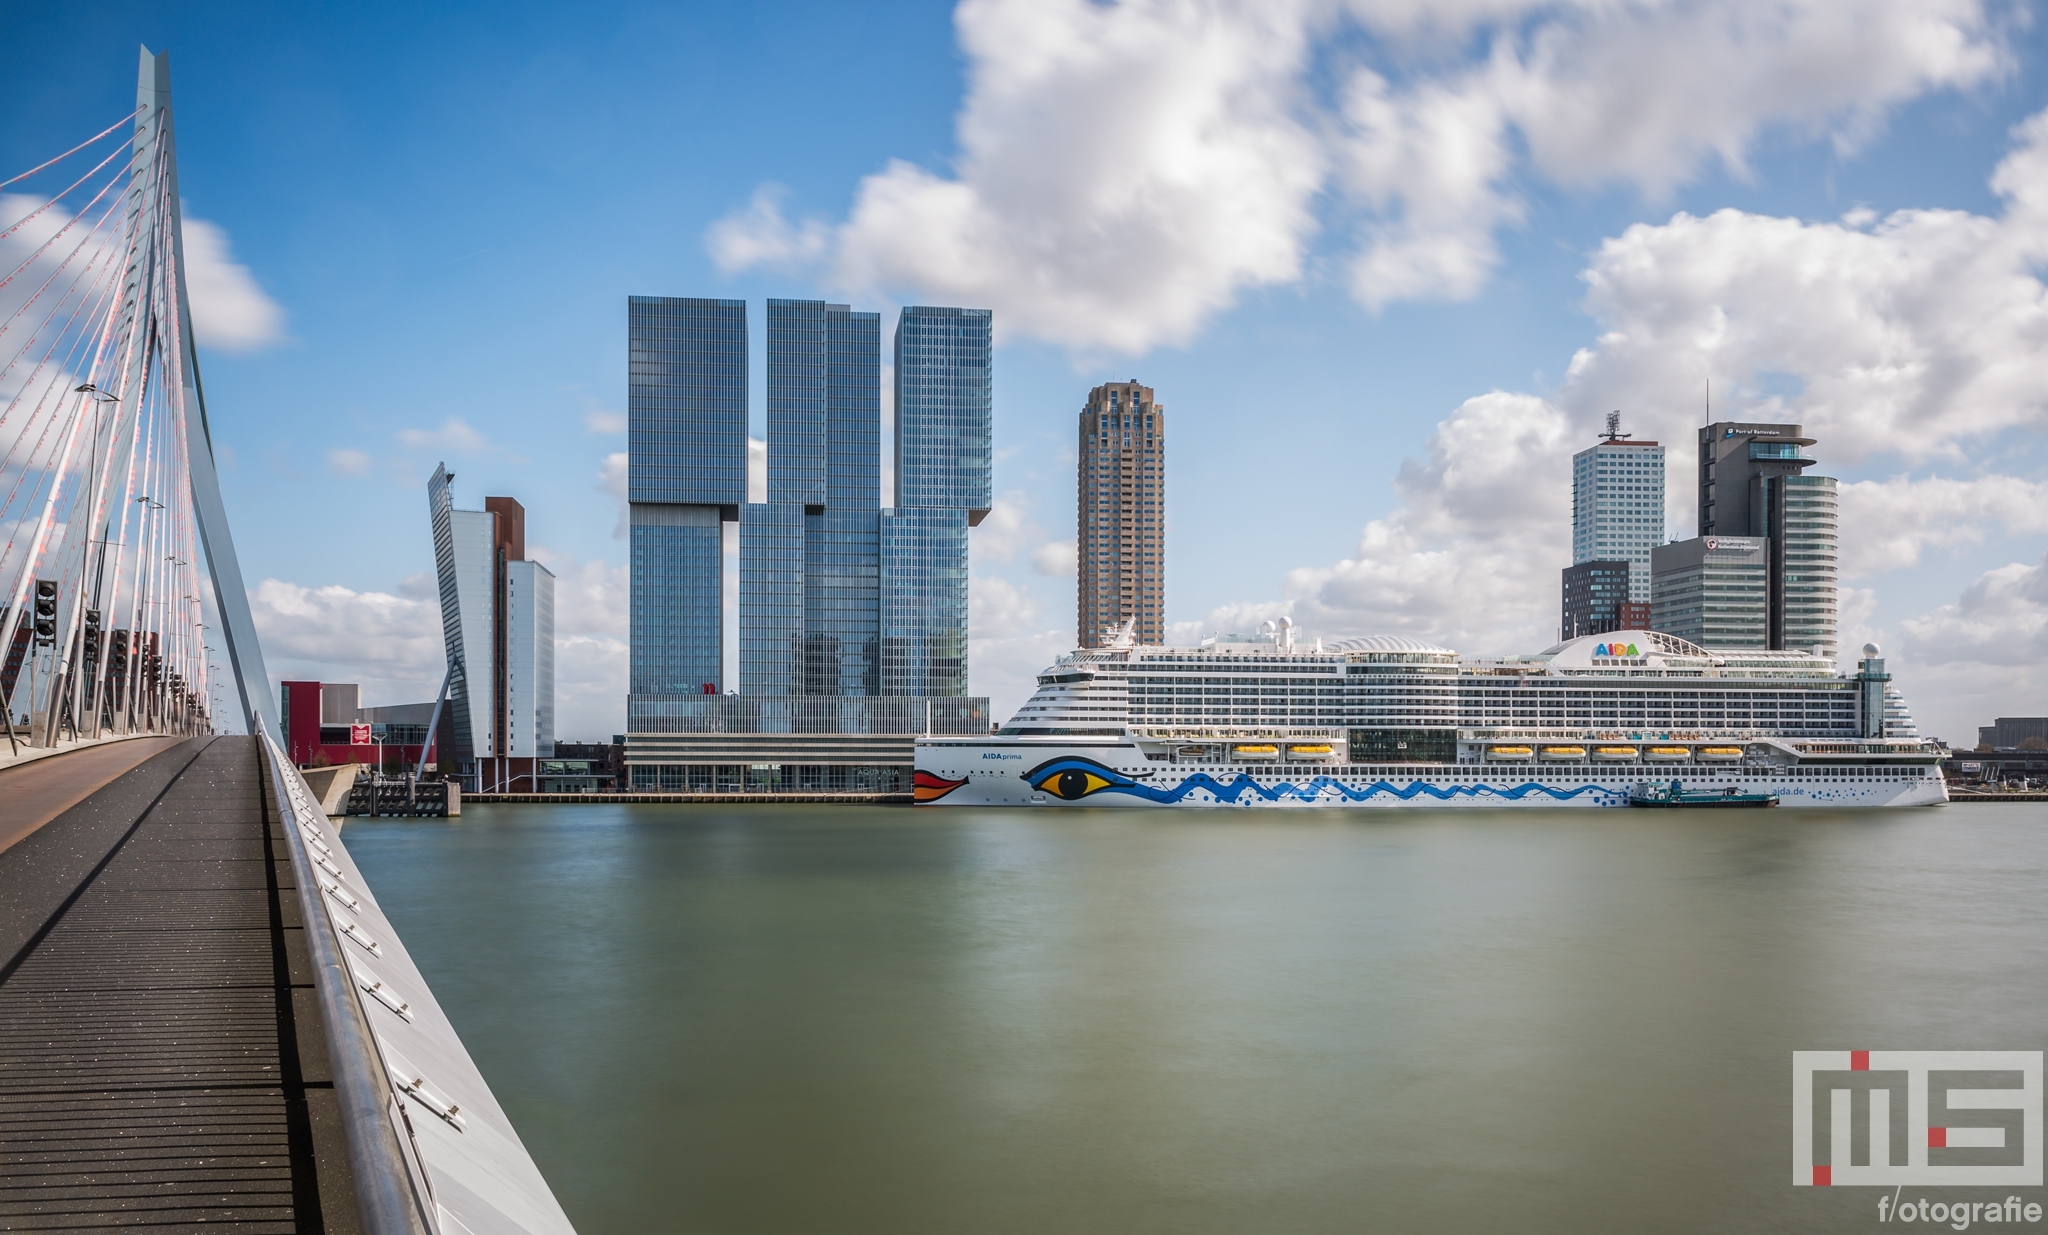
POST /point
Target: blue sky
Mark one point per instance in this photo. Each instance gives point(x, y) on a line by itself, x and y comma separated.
point(1355, 248)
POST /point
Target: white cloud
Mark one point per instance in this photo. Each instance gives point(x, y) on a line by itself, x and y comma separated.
point(760, 236)
point(392, 644)
point(2000, 620)
point(757, 469)
point(998, 609)
point(454, 436)
point(1056, 559)
point(345, 462)
point(1885, 524)
point(1124, 171)
point(611, 479)
point(1007, 529)
point(230, 310)
point(597, 420)
point(389, 644)
point(1471, 556)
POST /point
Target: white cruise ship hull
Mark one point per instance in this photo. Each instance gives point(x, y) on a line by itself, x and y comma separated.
point(1002, 771)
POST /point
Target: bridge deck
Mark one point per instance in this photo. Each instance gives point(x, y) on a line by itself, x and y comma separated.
point(161, 1057)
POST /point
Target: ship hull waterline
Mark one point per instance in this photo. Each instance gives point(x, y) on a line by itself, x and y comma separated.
point(1009, 772)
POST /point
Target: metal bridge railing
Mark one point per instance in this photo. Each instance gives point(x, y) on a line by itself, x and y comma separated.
point(431, 1151)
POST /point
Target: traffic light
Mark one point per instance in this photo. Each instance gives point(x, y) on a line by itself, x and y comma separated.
point(117, 654)
point(92, 636)
point(46, 612)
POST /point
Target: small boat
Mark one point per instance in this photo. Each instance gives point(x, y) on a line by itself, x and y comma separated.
point(1668, 754)
point(1510, 753)
point(1561, 754)
point(1255, 750)
point(1650, 793)
point(1718, 754)
point(1193, 752)
point(1615, 754)
point(1309, 750)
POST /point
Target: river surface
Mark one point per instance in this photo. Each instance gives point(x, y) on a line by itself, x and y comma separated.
point(797, 1019)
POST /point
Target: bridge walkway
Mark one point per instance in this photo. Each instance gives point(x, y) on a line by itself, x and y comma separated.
point(162, 1061)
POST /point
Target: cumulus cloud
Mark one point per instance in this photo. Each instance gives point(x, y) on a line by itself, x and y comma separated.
point(1470, 557)
point(611, 480)
point(1885, 524)
point(1057, 559)
point(230, 310)
point(2000, 620)
point(597, 420)
point(391, 642)
point(997, 608)
point(1125, 171)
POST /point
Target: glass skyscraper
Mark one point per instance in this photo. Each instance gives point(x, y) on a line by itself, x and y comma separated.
point(944, 418)
point(686, 475)
point(853, 618)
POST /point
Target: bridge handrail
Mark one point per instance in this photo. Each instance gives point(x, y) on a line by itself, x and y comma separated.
point(388, 1197)
point(431, 1151)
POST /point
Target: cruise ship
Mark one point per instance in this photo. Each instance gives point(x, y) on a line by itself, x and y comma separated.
point(1257, 721)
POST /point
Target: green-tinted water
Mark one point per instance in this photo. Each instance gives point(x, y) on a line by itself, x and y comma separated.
point(786, 1020)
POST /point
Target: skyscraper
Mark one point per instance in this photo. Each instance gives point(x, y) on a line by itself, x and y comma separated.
point(1618, 504)
point(944, 409)
point(498, 627)
point(686, 476)
point(1120, 527)
point(1752, 487)
point(853, 618)
point(809, 555)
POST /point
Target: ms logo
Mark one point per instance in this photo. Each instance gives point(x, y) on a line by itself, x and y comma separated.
point(1937, 1118)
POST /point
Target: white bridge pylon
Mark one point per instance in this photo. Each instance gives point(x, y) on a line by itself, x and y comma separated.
point(109, 497)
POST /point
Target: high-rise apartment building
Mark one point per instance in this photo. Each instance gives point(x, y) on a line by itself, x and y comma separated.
point(1618, 504)
point(686, 477)
point(853, 618)
point(498, 627)
point(1752, 487)
point(1120, 527)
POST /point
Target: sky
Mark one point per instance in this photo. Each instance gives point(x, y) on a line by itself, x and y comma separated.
point(1386, 263)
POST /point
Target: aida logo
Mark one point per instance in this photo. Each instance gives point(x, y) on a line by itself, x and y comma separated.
point(1615, 649)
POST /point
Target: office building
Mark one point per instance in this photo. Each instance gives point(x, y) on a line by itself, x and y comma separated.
point(1618, 505)
point(1713, 591)
point(853, 617)
point(810, 570)
point(1594, 595)
point(2014, 733)
point(1752, 487)
point(1120, 526)
point(498, 627)
point(686, 477)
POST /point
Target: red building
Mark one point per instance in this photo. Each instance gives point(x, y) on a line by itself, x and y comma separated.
point(324, 725)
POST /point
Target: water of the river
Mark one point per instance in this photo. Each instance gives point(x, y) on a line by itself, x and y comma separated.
point(789, 1020)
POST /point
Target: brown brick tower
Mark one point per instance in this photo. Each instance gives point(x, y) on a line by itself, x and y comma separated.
point(1121, 532)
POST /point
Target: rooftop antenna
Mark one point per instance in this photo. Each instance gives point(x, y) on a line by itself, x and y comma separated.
point(1614, 432)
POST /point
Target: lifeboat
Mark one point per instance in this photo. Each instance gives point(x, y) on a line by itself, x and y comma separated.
point(1193, 752)
point(1255, 750)
point(1309, 750)
point(1511, 754)
point(1667, 754)
point(1718, 754)
point(1615, 754)
point(1562, 754)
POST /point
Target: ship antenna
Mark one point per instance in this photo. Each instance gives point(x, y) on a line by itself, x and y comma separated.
point(1614, 427)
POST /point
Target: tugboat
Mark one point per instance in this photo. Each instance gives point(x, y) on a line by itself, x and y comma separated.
point(1649, 793)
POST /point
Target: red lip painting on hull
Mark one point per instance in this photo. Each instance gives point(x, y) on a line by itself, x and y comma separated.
point(928, 787)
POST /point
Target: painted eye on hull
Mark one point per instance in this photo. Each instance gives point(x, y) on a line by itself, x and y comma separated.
point(1073, 779)
point(1072, 783)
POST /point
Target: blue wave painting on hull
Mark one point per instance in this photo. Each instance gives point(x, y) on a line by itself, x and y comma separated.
point(1072, 778)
